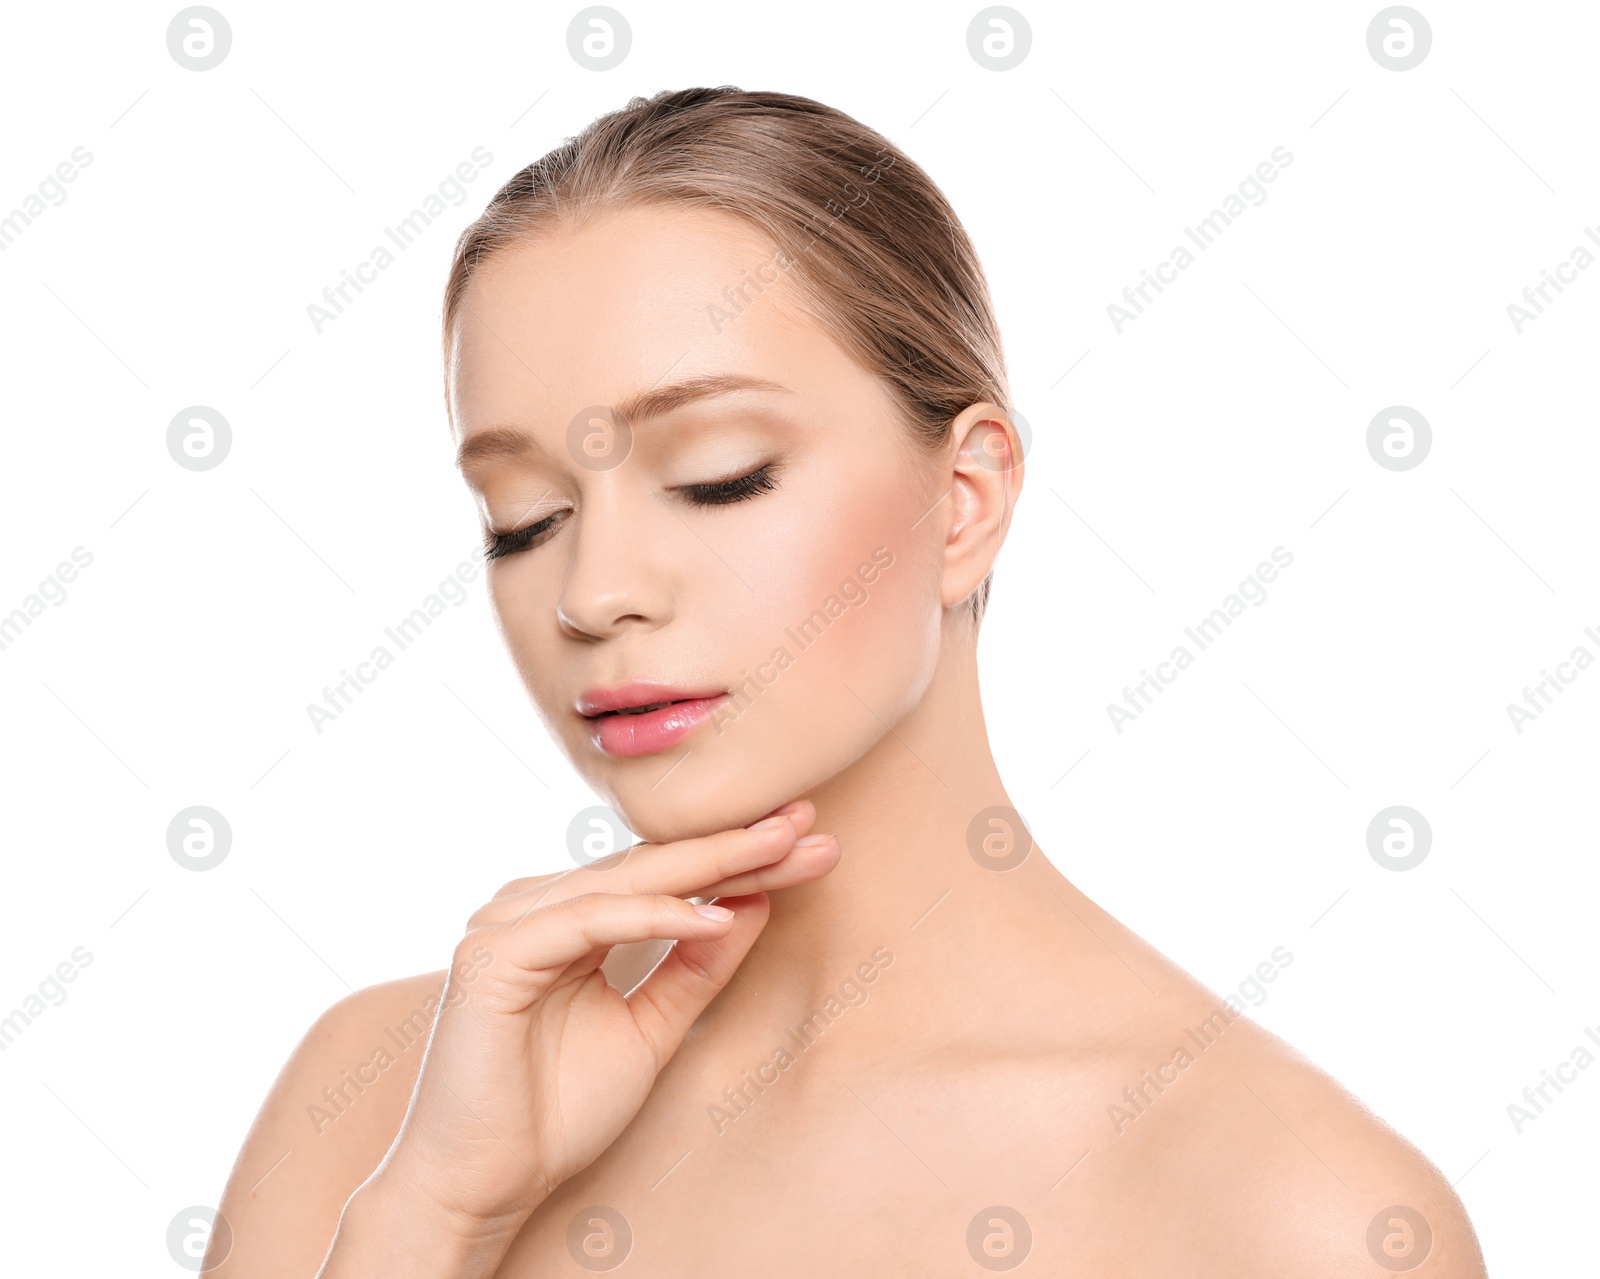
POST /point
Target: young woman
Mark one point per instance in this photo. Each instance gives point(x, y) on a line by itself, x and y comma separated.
point(729, 393)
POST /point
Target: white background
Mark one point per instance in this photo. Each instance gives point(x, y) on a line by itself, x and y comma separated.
point(1227, 420)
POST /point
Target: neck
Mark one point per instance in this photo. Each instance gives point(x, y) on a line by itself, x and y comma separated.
point(907, 880)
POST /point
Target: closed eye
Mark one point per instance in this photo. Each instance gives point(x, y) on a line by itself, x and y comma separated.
point(719, 493)
point(497, 544)
point(736, 490)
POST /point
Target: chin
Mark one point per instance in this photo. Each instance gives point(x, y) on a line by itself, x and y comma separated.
point(685, 809)
point(720, 783)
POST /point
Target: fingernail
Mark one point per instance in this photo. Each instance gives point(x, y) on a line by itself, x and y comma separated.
point(714, 912)
point(811, 841)
point(767, 823)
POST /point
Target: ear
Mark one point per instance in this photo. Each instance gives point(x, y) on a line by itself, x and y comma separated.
point(985, 461)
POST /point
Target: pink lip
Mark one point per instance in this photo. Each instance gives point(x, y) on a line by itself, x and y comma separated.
point(636, 692)
point(651, 731)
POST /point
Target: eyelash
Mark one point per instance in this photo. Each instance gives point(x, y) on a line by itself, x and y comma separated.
point(721, 493)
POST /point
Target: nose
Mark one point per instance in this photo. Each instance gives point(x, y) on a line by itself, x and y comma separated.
point(617, 576)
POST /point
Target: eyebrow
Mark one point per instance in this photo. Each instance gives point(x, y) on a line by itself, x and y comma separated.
point(656, 401)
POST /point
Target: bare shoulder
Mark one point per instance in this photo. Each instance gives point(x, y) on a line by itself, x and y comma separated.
point(325, 1125)
point(1219, 1148)
point(332, 1114)
point(1292, 1174)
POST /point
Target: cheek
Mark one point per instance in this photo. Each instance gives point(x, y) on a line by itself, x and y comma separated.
point(842, 633)
point(526, 619)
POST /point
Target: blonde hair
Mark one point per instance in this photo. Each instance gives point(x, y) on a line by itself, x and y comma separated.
point(864, 234)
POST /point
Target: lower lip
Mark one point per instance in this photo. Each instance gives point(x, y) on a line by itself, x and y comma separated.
point(653, 731)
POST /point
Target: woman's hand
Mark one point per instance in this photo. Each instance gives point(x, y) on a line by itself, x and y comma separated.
point(536, 1063)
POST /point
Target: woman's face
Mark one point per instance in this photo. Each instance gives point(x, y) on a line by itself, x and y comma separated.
point(801, 619)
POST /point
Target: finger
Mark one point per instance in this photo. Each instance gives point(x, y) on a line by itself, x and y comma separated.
point(553, 936)
point(802, 812)
point(677, 991)
point(523, 884)
point(683, 868)
point(798, 810)
point(688, 867)
point(810, 858)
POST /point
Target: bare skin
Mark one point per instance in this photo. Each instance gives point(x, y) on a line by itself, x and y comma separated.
point(986, 1017)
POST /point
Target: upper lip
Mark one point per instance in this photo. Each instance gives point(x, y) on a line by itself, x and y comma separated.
point(636, 692)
